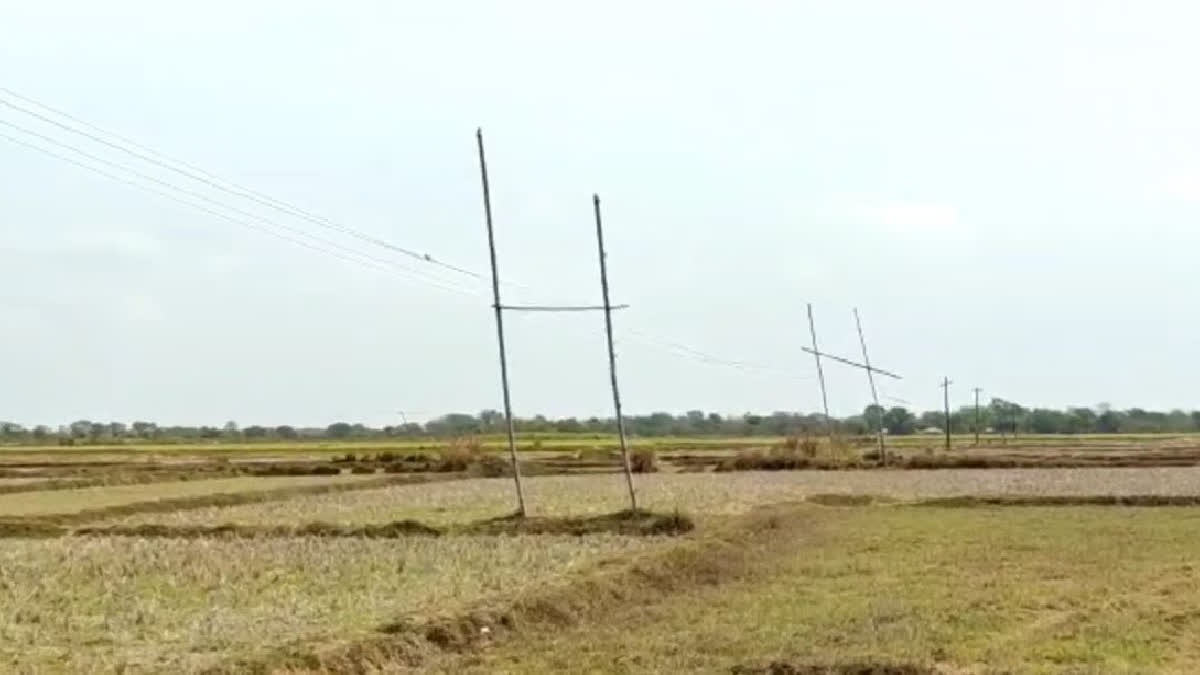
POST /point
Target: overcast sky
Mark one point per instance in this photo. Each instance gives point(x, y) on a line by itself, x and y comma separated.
point(1007, 191)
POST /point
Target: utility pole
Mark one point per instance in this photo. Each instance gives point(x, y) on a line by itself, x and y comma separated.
point(946, 399)
point(508, 418)
point(812, 328)
point(977, 390)
point(612, 356)
point(871, 380)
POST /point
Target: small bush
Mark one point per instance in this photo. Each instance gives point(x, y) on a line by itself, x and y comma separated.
point(459, 455)
point(809, 447)
point(492, 466)
point(362, 469)
point(643, 460)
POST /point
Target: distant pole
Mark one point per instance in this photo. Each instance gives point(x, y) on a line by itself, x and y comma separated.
point(812, 328)
point(871, 380)
point(946, 399)
point(977, 416)
point(508, 418)
point(612, 355)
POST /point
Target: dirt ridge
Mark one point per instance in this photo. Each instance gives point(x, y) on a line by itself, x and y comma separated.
point(729, 552)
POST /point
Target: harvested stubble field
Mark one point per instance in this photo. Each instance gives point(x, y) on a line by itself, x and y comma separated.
point(935, 586)
point(67, 502)
point(166, 605)
point(697, 494)
point(21, 481)
point(899, 589)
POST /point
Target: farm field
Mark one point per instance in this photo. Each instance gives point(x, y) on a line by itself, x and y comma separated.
point(936, 590)
point(168, 605)
point(555, 443)
point(65, 502)
point(829, 568)
point(697, 494)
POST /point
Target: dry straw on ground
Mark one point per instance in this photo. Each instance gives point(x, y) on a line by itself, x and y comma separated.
point(106, 604)
point(62, 502)
point(697, 494)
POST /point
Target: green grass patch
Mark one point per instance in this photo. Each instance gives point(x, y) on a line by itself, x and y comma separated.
point(1032, 590)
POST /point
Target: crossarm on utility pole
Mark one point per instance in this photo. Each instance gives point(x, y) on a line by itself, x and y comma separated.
point(848, 362)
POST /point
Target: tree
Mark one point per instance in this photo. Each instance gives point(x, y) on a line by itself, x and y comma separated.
point(285, 431)
point(255, 431)
point(454, 424)
point(98, 430)
point(1045, 421)
point(1108, 422)
point(873, 416)
point(1178, 422)
point(11, 430)
point(339, 430)
point(1006, 415)
point(568, 426)
point(144, 429)
point(899, 421)
point(1080, 421)
point(230, 430)
point(935, 419)
point(80, 428)
point(490, 419)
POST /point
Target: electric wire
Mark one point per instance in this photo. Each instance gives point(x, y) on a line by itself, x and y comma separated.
point(152, 156)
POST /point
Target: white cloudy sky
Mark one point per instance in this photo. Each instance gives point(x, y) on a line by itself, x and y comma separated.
point(1008, 192)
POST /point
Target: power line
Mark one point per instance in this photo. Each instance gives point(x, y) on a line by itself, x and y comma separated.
point(191, 193)
point(350, 255)
point(195, 173)
point(151, 156)
point(559, 308)
point(675, 348)
point(682, 350)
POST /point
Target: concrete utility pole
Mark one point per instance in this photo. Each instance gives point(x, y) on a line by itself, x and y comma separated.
point(977, 390)
point(946, 399)
point(816, 352)
point(508, 417)
point(612, 355)
point(871, 380)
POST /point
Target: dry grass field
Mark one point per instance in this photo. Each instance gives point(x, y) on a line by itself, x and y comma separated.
point(696, 494)
point(65, 502)
point(765, 578)
point(919, 590)
point(164, 605)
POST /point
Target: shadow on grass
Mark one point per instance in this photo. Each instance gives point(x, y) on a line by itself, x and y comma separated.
point(629, 523)
point(782, 668)
point(968, 501)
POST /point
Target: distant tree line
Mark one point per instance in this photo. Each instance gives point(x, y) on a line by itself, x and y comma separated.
point(998, 416)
